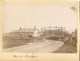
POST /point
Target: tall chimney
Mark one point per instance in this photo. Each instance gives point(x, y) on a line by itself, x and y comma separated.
point(20, 28)
point(35, 27)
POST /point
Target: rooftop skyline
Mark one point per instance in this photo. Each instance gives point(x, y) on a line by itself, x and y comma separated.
point(39, 15)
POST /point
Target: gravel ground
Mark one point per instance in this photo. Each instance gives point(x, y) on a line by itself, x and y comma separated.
point(66, 48)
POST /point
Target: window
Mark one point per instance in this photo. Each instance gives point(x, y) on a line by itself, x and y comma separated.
point(21, 34)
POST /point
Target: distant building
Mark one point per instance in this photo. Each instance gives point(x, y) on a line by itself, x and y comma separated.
point(54, 31)
point(25, 32)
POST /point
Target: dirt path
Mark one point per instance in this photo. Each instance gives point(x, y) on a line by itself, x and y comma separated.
point(37, 47)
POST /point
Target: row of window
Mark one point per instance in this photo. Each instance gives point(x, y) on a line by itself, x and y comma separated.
point(21, 34)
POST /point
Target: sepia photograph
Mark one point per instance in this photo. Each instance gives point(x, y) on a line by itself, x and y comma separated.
point(39, 28)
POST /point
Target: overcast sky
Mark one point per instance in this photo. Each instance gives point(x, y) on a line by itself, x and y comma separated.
point(40, 15)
